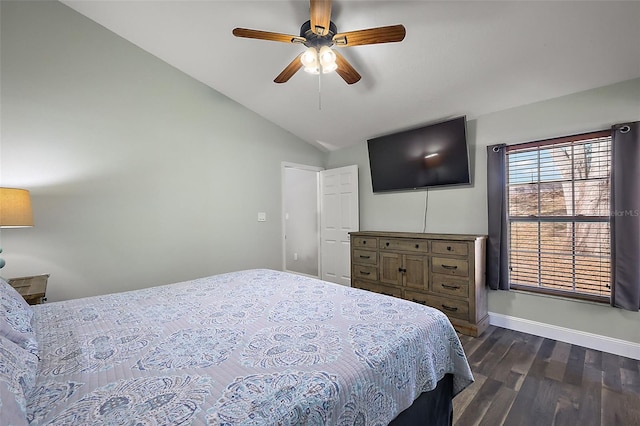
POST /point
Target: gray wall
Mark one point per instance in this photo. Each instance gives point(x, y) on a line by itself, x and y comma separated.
point(139, 174)
point(464, 210)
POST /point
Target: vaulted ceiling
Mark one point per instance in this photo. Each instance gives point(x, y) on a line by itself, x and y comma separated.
point(458, 58)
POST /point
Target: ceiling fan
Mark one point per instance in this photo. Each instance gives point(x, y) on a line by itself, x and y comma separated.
point(319, 34)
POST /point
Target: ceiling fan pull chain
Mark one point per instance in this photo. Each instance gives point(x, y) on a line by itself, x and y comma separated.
point(319, 91)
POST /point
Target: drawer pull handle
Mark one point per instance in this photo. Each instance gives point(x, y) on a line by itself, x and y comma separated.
point(402, 270)
point(449, 266)
point(448, 248)
point(451, 287)
point(422, 302)
point(449, 308)
point(365, 257)
point(365, 273)
point(387, 244)
point(364, 242)
point(417, 245)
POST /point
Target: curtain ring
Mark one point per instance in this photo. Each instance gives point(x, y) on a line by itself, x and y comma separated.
point(496, 149)
point(625, 129)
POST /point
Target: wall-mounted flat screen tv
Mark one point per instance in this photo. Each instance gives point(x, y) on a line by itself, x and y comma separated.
point(429, 156)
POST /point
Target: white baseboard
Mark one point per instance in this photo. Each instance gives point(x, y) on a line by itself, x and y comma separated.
point(567, 335)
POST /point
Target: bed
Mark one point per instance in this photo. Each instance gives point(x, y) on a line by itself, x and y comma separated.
point(256, 347)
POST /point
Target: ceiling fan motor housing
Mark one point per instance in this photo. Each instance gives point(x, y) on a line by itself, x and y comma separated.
point(315, 40)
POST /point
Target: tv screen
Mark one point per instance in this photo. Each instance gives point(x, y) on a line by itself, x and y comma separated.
point(434, 155)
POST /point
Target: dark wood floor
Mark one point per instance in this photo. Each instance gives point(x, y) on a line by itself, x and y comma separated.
point(523, 379)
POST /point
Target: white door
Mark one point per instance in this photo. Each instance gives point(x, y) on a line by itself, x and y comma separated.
point(339, 215)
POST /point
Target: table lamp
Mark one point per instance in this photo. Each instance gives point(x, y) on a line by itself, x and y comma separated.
point(15, 210)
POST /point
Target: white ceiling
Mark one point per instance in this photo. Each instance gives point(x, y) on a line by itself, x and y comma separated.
point(458, 58)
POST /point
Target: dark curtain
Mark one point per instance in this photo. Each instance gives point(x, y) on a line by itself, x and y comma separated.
point(497, 260)
point(625, 217)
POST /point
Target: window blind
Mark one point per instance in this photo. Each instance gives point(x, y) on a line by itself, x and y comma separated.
point(558, 204)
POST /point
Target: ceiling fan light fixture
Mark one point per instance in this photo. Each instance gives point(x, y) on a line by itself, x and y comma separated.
point(327, 59)
point(309, 60)
point(312, 70)
point(309, 57)
point(329, 68)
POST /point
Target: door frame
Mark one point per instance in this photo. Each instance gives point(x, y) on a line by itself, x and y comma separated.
point(317, 169)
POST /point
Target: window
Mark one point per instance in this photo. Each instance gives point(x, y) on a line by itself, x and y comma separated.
point(558, 208)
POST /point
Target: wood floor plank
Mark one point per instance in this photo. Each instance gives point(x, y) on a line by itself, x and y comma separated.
point(525, 380)
point(567, 408)
point(535, 391)
point(558, 361)
point(593, 359)
point(462, 400)
point(575, 366)
point(499, 359)
point(536, 400)
point(628, 363)
point(477, 357)
point(515, 365)
point(630, 380)
point(500, 406)
point(541, 360)
point(619, 409)
point(611, 365)
point(480, 403)
point(514, 380)
point(470, 344)
point(590, 388)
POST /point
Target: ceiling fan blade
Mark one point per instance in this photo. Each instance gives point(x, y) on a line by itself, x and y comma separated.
point(290, 70)
point(266, 35)
point(320, 16)
point(377, 35)
point(345, 70)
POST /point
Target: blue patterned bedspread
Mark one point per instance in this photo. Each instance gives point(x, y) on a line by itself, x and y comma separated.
point(256, 347)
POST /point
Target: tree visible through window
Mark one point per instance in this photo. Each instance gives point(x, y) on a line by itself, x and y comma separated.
point(559, 197)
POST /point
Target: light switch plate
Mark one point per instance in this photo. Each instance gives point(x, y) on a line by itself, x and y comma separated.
point(262, 217)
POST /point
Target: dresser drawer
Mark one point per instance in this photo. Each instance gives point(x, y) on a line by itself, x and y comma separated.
point(365, 256)
point(449, 247)
point(447, 285)
point(365, 272)
point(450, 266)
point(416, 297)
point(378, 288)
point(415, 246)
point(364, 242)
point(453, 308)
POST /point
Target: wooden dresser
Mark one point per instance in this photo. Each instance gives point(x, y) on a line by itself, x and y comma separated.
point(445, 271)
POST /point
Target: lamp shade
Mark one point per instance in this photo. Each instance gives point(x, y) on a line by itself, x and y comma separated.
point(327, 59)
point(15, 208)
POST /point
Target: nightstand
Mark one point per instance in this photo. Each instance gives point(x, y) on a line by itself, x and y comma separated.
point(32, 288)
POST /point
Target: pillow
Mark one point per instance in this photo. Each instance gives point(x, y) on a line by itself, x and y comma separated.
point(15, 318)
point(17, 379)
